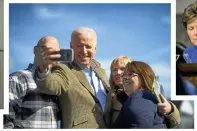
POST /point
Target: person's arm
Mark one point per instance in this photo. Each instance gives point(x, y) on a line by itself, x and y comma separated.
point(173, 118)
point(17, 89)
point(56, 80)
point(170, 111)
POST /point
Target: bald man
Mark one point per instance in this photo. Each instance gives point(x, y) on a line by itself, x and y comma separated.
point(27, 107)
point(82, 86)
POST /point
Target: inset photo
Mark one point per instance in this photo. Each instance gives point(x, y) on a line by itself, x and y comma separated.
point(186, 47)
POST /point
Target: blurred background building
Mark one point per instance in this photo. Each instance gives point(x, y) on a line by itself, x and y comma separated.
point(1, 56)
point(186, 109)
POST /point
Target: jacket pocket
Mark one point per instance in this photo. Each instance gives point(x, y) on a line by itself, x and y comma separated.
point(80, 122)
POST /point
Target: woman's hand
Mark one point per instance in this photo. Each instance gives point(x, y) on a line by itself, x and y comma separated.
point(165, 107)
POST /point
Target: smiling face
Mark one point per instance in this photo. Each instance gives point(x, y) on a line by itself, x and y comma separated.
point(117, 72)
point(131, 82)
point(137, 76)
point(84, 47)
point(192, 30)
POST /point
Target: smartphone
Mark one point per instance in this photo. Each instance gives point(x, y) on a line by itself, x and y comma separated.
point(66, 56)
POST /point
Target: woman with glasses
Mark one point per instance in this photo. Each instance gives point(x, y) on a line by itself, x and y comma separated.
point(140, 110)
point(118, 65)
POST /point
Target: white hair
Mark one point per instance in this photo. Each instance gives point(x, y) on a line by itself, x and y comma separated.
point(82, 30)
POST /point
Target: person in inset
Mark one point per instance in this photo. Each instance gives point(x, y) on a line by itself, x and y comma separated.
point(118, 65)
point(190, 23)
point(140, 109)
point(82, 86)
point(27, 107)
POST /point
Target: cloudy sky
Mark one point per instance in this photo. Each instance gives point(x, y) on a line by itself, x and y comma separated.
point(140, 31)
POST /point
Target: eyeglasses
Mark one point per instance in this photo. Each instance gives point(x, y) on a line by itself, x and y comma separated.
point(129, 75)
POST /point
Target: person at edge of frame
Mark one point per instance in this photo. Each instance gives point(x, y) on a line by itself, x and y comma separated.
point(28, 108)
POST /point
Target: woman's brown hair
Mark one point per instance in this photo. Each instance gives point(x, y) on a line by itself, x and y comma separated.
point(144, 71)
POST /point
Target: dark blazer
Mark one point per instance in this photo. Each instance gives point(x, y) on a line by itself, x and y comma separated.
point(79, 106)
point(140, 111)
